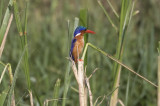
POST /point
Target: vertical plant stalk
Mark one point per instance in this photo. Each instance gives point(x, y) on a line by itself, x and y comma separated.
point(1, 9)
point(67, 74)
point(5, 20)
point(158, 104)
point(82, 93)
point(17, 18)
point(90, 93)
point(26, 57)
point(158, 81)
point(79, 75)
point(11, 91)
point(114, 98)
point(31, 98)
point(56, 92)
point(125, 17)
point(89, 90)
point(84, 22)
point(23, 38)
point(11, 81)
point(127, 90)
point(5, 35)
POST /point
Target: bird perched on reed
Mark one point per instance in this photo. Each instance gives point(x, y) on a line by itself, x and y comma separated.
point(78, 42)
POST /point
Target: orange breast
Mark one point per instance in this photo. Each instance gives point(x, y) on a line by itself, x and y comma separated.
point(78, 47)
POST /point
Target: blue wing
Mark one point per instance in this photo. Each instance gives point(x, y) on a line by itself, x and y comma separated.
point(72, 46)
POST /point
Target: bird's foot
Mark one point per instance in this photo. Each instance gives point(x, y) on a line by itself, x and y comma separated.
point(80, 60)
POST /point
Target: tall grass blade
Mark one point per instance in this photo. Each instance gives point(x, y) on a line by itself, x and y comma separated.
point(37, 97)
point(158, 100)
point(56, 92)
point(3, 96)
point(66, 83)
point(84, 22)
point(1, 9)
point(26, 61)
point(151, 52)
point(14, 80)
point(67, 74)
point(124, 20)
point(26, 20)
point(5, 20)
point(106, 13)
point(23, 38)
point(116, 14)
point(17, 18)
point(127, 90)
point(68, 35)
point(158, 48)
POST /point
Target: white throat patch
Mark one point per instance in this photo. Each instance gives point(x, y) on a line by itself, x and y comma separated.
point(78, 34)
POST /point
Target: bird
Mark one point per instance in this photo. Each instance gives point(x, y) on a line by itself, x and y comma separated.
point(77, 43)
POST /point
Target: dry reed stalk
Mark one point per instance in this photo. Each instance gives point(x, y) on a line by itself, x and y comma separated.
point(13, 100)
point(3, 72)
point(158, 104)
point(79, 75)
point(122, 104)
point(5, 35)
point(83, 83)
point(89, 90)
point(31, 98)
point(114, 98)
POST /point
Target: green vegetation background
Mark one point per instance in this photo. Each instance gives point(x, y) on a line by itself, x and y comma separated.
point(48, 48)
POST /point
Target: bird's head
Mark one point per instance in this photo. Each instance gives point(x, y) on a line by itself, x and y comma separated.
point(81, 30)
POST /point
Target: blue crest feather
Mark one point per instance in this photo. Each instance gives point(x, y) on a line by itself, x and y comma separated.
point(79, 29)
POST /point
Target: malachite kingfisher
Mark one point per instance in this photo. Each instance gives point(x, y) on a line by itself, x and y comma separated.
point(78, 42)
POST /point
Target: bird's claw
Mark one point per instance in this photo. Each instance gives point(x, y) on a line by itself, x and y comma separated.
point(80, 60)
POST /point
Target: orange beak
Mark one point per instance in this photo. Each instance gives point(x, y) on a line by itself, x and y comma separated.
point(89, 31)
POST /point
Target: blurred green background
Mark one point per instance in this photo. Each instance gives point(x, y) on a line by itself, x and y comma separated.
point(48, 45)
